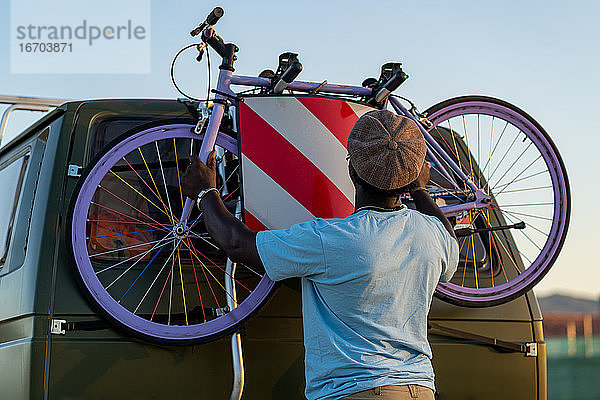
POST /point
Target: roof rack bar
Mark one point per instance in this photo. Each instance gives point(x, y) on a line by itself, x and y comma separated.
point(25, 103)
point(35, 101)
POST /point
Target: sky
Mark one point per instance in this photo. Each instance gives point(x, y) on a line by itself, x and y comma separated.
point(539, 55)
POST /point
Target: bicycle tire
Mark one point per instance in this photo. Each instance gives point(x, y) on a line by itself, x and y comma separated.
point(93, 188)
point(470, 110)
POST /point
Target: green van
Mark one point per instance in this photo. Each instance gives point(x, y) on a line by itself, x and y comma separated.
point(53, 344)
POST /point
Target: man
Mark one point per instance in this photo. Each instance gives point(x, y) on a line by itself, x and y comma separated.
point(367, 279)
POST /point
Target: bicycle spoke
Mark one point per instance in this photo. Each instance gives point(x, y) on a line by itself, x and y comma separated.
point(123, 234)
point(492, 153)
point(124, 248)
point(198, 236)
point(211, 274)
point(161, 293)
point(140, 274)
point(134, 208)
point(439, 168)
point(157, 193)
point(504, 156)
point(468, 147)
point(200, 218)
point(460, 164)
point(525, 190)
point(519, 180)
point(510, 253)
point(521, 173)
point(488, 163)
point(162, 172)
point(138, 260)
point(137, 191)
point(189, 246)
point(177, 168)
point(251, 270)
point(499, 257)
point(487, 218)
point(474, 259)
point(182, 289)
point(164, 209)
point(127, 216)
point(227, 180)
point(107, 221)
point(171, 292)
point(197, 285)
point(447, 144)
point(529, 224)
point(153, 282)
point(466, 259)
point(528, 204)
point(515, 162)
point(530, 215)
point(222, 269)
point(522, 231)
point(230, 194)
point(141, 255)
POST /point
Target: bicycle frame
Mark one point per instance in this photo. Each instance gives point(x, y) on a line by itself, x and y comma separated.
point(227, 79)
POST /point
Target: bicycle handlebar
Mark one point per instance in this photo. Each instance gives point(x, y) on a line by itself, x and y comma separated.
point(226, 51)
point(211, 19)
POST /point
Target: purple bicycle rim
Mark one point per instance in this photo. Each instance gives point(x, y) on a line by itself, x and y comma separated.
point(108, 303)
point(560, 191)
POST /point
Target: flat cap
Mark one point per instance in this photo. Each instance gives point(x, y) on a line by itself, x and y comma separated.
point(386, 150)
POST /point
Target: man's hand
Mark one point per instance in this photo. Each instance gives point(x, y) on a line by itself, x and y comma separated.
point(198, 177)
point(424, 203)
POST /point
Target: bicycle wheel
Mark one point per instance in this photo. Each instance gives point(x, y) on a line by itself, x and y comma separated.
point(157, 282)
point(509, 246)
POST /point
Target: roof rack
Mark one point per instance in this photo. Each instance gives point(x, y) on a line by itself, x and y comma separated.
point(25, 103)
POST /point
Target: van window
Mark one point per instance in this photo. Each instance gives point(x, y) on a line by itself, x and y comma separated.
point(110, 129)
point(11, 180)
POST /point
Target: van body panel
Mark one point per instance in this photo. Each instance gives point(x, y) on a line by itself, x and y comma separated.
point(105, 363)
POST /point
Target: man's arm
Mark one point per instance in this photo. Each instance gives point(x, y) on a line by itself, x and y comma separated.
point(425, 204)
point(230, 233)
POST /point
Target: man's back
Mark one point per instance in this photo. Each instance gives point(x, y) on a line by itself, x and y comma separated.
point(367, 284)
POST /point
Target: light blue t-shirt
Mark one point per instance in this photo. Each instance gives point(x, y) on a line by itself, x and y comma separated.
point(367, 284)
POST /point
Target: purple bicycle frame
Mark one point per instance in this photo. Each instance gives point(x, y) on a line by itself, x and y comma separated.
point(227, 78)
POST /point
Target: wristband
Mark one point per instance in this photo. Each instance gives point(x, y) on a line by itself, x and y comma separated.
point(202, 194)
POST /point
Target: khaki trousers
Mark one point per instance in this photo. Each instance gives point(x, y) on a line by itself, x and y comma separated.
point(394, 392)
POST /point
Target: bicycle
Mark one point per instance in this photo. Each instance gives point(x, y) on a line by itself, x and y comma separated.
point(495, 173)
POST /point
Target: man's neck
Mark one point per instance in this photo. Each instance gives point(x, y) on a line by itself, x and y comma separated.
point(364, 199)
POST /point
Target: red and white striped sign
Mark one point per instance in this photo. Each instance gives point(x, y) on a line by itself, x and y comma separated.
point(293, 158)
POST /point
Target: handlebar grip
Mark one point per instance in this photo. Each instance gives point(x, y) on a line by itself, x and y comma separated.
point(214, 16)
point(210, 20)
point(288, 77)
